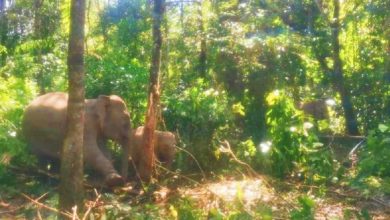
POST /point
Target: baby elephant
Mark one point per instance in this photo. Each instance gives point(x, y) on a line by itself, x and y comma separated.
point(44, 126)
point(165, 147)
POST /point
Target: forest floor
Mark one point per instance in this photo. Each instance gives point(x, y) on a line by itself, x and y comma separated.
point(35, 198)
point(282, 199)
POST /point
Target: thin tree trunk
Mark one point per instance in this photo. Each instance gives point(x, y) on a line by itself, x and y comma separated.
point(154, 93)
point(338, 76)
point(71, 186)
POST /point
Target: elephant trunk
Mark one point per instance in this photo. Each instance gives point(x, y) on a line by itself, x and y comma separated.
point(126, 145)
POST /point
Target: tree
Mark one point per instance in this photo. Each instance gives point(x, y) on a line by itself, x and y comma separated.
point(338, 76)
point(154, 93)
point(71, 186)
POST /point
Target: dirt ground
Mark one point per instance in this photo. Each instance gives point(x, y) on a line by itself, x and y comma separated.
point(248, 193)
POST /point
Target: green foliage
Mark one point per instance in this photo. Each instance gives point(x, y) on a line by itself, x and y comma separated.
point(196, 112)
point(294, 145)
point(118, 64)
point(355, 214)
point(252, 49)
point(48, 73)
point(186, 210)
point(14, 94)
point(306, 210)
point(373, 168)
point(375, 156)
point(114, 75)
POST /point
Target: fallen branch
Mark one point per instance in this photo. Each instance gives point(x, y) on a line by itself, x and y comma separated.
point(46, 207)
point(11, 210)
point(21, 206)
point(34, 171)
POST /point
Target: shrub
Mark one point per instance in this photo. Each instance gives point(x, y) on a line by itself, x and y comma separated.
point(14, 95)
point(294, 147)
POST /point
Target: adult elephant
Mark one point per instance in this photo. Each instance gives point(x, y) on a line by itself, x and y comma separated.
point(106, 117)
point(164, 148)
point(315, 108)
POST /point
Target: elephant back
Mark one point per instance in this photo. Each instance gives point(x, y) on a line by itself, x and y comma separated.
point(44, 123)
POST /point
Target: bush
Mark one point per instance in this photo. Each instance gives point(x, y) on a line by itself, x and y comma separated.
point(294, 147)
point(306, 211)
point(374, 166)
point(197, 112)
point(14, 95)
point(375, 157)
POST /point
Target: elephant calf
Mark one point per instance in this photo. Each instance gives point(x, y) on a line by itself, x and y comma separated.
point(164, 149)
point(44, 126)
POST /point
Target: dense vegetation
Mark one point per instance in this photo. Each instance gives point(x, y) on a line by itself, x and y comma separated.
point(233, 76)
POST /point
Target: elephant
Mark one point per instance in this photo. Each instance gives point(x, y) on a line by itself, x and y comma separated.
point(106, 118)
point(164, 148)
point(316, 109)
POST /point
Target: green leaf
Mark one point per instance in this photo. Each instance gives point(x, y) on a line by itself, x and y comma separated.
point(383, 128)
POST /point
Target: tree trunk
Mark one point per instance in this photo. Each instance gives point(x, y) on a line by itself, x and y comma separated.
point(338, 77)
point(146, 170)
point(71, 186)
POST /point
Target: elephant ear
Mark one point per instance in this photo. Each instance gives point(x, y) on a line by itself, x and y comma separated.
point(103, 102)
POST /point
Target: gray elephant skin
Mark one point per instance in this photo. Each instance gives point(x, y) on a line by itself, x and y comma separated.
point(106, 117)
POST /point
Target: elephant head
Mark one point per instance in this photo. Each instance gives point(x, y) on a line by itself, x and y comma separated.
point(114, 123)
point(165, 147)
point(164, 151)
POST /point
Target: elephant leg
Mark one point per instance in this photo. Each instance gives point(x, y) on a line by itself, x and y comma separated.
point(95, 158)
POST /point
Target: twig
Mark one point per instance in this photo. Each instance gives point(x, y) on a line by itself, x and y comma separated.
point(380, 202)
point(179, 174)
point(21, 206)
point(92, 206)
point(343, 194)
point(39, 214)
point(138, 175)
point(227, 149)
point(39, 198)
point(47, 207)
point(74, 209)
point(12, 210)
point(35, 170)
point(191, 155)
